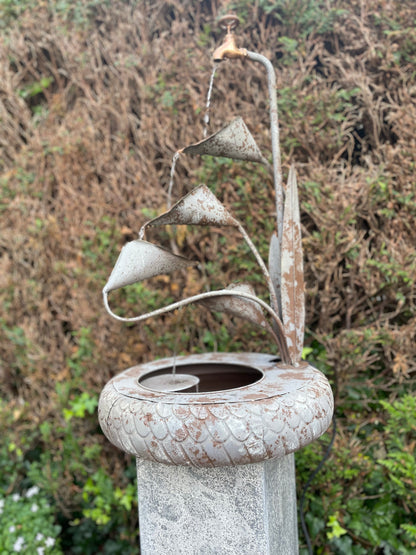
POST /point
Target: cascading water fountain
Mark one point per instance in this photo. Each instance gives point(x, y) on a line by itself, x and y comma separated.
point(214, 434)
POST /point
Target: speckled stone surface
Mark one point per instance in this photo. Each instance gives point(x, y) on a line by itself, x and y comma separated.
point(239, 510)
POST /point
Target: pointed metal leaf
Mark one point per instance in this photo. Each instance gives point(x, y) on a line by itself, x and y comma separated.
point(275, 269)
point(238, 306)
point(139, 260)
point(232, 141)
point(293, 297)
point(199, 207)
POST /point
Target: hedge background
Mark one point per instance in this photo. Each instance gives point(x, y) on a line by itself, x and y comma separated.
point(95, 98)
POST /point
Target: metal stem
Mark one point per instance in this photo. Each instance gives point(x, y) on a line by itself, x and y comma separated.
point(280, 337)
point(274, 131)
point(262, 265)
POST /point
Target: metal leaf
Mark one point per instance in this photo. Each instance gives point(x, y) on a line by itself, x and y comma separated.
point(275, 269)
point(238, 306)
point(199, 207)
point(232, 141)
point(293, 298)
point(141, 260)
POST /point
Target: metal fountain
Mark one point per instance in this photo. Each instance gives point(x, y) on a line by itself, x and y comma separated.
point(214, 434)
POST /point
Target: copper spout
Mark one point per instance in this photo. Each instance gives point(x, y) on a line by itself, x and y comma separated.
point(229, 49)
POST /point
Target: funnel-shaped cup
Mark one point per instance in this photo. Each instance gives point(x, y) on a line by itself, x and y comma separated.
point(141, 260)
point(232, 141)
point(199, 207)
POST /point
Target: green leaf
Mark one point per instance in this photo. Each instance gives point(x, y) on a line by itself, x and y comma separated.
point(336, 529)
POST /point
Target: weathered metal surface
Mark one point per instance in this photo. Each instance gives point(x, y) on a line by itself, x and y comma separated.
point(170, 382)
point(199, 207)
point(293, 296)
point(228, 22)
point(274, 133)
point(232, 141)
point(141, 260)
point(239, 306)
point(278, 414)
point(275, 270)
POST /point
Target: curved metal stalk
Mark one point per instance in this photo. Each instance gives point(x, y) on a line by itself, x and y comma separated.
point(229, 50)
point(279, 337)
point(253, 248)
point(274, 131)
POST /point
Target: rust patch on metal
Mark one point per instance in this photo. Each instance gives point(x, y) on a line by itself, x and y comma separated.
point(292, 285)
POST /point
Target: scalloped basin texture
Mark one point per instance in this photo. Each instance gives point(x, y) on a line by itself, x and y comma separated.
point(284, 410)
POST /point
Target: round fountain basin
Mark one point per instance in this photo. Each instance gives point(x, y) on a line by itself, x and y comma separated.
point(249, 407)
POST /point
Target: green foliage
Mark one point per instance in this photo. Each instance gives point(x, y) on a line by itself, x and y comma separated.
point(12, 454)
point(79, 12)
point(336, 530)
point(10, 10)
point(390, 268)
point(107, 511)
point(21, 344)
point(214, 172)
point(27, 524)
point(383, 515)
point(399, 460)
point(142, 297)
point(102, 498)
point(35, 88)
point(305, 16)
point(81, 405)
point(83, 352)
point(104, 508)
point(219, 340)
point(101, 243)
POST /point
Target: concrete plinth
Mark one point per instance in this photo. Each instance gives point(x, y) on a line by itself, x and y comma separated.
point(239, 510)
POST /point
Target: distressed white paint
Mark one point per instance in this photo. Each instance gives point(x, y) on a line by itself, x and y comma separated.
point(280, 413)
point(232, 141)
point(199, 207)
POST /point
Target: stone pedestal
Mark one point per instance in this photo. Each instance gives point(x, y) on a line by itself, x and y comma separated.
point(236, 510)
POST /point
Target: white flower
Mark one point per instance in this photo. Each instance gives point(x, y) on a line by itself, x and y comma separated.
point(12, 529)
point(16, 497)
point(18, 544)
point(49, 542)
point(39, 537)
point(40, 550)
point(32, 491)
point(1, 505)
point(34, 508)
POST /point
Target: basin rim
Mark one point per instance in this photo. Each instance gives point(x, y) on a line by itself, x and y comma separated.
point(282, 412)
